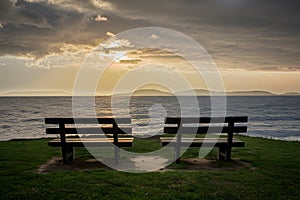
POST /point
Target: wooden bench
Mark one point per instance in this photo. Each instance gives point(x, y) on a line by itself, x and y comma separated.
point(204, 125)
point(97, 132)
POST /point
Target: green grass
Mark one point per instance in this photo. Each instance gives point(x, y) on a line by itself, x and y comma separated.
point(274, 174)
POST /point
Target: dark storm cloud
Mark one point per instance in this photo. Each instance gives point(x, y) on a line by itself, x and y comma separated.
point(256, 32)
point(243, 13)
point(39, 28)
point(32, 28)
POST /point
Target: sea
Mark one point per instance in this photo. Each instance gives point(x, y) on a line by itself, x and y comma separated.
point(276, 117)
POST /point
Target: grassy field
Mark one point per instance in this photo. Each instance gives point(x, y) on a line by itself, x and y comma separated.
point(273, 172)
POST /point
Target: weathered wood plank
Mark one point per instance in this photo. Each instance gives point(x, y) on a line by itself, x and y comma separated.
point(94, 130)
point(87, 120)
point(186, 120)
point(92, 142)
point(204, 129)
point(201, 142)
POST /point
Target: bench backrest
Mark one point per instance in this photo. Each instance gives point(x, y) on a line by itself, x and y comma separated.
point(89, 126)
point(204, 125)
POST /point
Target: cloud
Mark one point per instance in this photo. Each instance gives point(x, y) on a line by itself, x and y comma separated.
point(83, 6)
point(237, 34)
point(18, 14)
point(277, 68)
point(99, 18)
point(218, 12)
point(68, 55)
point(116, 44)
point(110, 34)
point(130, 61)
point(38, 28)
point(6, 7)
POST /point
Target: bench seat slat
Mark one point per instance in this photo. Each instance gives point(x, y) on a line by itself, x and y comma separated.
point(87, 120)
point(200, 142)
point(205, 129)
point(92, 142)
point(94, 130)
point(186, 120)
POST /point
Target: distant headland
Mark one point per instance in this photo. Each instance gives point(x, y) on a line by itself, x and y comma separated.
point(152, 92)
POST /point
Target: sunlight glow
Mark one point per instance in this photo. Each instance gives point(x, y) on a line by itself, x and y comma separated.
point(116, 55)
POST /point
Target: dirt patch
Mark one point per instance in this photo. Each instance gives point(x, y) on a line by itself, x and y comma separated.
point(56, 164)
point(136, 164)
point(149, 163)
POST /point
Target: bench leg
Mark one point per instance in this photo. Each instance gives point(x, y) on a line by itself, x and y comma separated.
point(64, 154)
point(117, 154)
point(67, 153)
point(70, 153)
point(228, 154)
point(222, 153)
point(177, 154)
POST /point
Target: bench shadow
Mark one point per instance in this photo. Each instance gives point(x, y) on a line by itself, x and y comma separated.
point(202, 164)
point(55, 164)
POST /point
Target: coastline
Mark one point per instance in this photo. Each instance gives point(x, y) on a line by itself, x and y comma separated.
point(297, 139)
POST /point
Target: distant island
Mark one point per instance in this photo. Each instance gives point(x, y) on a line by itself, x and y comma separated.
point(153, 92)
point(29, 93)
point(204, 92)
point(291, 94)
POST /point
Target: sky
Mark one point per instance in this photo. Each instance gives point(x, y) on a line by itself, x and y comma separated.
point(43, 43)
